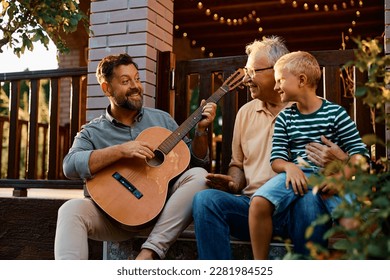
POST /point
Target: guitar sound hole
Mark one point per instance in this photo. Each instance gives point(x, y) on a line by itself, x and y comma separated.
point(157, 160)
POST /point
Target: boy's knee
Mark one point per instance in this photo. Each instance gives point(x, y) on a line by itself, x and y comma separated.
point(260, 206)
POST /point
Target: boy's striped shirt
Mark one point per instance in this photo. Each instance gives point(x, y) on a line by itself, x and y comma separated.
point(293, 131)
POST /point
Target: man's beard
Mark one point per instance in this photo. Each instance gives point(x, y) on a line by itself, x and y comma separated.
point(131, 104)
point(127, 103)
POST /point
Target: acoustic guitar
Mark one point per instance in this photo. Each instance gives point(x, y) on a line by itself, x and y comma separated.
point(133, 191)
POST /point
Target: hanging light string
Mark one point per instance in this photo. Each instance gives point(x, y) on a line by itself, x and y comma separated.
point(250, 17)
point(329, 6)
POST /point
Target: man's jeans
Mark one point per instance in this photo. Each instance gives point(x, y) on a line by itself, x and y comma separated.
point(219, 215)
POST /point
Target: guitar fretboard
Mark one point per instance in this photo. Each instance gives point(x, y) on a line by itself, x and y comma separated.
point(171, 141)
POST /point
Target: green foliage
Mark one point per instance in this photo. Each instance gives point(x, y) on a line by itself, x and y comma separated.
point(368, 210)
point(375, 92)
point(23, 22)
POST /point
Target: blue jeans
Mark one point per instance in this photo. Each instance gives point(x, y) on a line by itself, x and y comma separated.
point(275, 191)
point(219, 215)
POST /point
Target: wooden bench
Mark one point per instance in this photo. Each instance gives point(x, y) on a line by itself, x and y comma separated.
point(185, 248)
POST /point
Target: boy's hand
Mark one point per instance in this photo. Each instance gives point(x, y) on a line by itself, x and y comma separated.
point(297, 178)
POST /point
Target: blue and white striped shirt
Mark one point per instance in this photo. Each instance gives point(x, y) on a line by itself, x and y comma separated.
point(293, 131)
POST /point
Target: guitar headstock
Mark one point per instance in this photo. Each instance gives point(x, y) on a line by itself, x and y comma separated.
point(235, 79)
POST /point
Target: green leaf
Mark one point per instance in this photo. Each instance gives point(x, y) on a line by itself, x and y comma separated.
point(360, 91)
point(341, 244)
point(374, 249)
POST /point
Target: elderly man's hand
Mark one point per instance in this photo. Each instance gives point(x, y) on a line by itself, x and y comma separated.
point(222, 182)
point(322, 154)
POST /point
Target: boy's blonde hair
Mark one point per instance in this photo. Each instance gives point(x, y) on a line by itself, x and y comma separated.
point(300, 62)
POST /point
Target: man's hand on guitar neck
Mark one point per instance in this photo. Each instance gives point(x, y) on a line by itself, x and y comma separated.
point(200, 142)
point(208, 115)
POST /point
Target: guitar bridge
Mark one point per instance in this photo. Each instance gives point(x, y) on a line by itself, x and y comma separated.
point(129, 186)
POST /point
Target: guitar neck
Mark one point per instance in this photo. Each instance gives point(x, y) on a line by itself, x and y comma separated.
point(168, 144)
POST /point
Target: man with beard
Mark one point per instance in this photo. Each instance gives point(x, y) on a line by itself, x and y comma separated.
point(112, 137)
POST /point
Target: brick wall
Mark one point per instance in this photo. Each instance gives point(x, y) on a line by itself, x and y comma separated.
point(68, 60)
point(137, 27)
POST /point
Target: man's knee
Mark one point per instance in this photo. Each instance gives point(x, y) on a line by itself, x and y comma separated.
point(204, 197)
point(74, 207)
point(197, 172)
point(198, 200)
point(203, 200)
point(193, 176)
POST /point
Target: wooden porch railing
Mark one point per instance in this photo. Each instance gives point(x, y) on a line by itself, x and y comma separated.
point(39, 155)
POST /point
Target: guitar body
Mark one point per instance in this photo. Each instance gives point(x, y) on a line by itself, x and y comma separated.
point(149, 182)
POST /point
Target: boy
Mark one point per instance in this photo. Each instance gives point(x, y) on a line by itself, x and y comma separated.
point(309, 119)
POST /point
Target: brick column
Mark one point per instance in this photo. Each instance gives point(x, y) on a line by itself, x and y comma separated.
point(137, 27)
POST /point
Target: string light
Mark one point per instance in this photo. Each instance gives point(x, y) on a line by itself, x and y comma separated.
point(326, 7)
point(252, 16)
point(235, 21)
point(317, 7)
